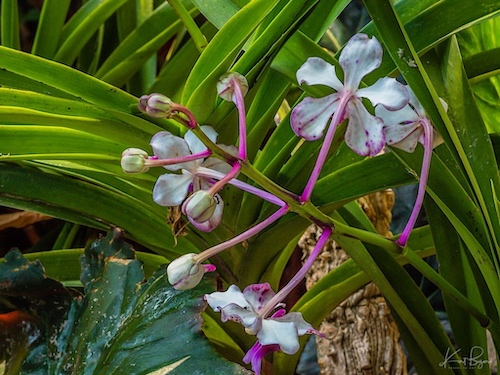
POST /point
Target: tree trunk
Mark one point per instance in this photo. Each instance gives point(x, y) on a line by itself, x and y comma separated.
point(361, 336)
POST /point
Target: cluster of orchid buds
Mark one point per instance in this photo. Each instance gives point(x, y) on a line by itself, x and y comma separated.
point(206, 167)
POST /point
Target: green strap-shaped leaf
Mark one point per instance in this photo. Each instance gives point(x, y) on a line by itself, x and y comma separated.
point(200, 90)
point(65, 79)
point(50, 24)
point(82, 25)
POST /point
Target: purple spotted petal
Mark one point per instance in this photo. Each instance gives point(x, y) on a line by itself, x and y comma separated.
point(310, 117)
point(171, 189)
point(360, 56)
point(387, 92)
point(168, 146)
point(404, 115)
point(402, 128)
point(258, 295)
point(219, 300)
point(364, 134)
point(316, 71)
point(408, 142)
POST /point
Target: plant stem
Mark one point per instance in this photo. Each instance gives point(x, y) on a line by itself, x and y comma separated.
point(424, 175)
point(298, 277)
point(325, 147)
point(241, 237)
point(239, 101)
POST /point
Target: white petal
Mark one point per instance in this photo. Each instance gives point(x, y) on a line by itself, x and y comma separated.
point(219, 300)
point(258, 295)
point(310, 117)
point(171, 189)
point(168, 146)
point(302, 326)
point(217, 165)
point(404, 115)
point(364, 134)
point(386, 91)
point(195, 145)
point(283, 334)
point(404, 137)
point(316, 71)
point(360, 56)
point(246, 318)
point(214, 221)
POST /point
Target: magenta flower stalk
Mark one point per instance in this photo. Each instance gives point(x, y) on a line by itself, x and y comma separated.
point(159, 106)
point(424, 175)
point(233, 87)
point(187, 271)
point(210, 173)
point(323, 153)
point(299, 276)
point(243, 236)
point(404, 129)
point(240, 105)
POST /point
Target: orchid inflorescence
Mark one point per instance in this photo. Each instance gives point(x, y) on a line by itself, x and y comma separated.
point(399, 121)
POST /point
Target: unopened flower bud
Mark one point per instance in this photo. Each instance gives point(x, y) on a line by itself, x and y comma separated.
point(225, 85)
point(200, 206)
point(184, 272)
point(155, 105)
point(134, 160)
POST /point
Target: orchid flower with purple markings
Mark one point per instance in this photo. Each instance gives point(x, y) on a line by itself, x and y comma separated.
point(403, 129)
point(280, 331)
point(364, 134)
point(262, 312)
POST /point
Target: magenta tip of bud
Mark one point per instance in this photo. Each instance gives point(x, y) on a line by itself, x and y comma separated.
point(209, 267)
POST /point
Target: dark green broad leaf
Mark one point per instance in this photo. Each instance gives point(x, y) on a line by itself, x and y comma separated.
point(121, 324)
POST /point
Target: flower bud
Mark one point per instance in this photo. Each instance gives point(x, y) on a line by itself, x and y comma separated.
point(184, 272)
point(200, 206)
point(155, 105)
point(134, 160)
point(225, 85)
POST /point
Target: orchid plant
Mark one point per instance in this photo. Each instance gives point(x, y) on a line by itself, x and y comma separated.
point(219, 160)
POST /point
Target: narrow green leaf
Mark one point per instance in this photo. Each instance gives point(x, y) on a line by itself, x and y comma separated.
point(9, 24)
point(82, 25)
point(50, 24)
point(200, 90)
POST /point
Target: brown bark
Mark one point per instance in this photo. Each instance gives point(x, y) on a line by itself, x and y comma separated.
point(361, 336)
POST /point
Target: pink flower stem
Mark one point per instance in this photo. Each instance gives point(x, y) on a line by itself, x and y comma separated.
point(153, 161)
point(215, 188)
point(210, 173)
point(191, 123)
point(325, 147)
point(299, 276)
point(424, 175)
point(239, 101)
point(241, 237)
